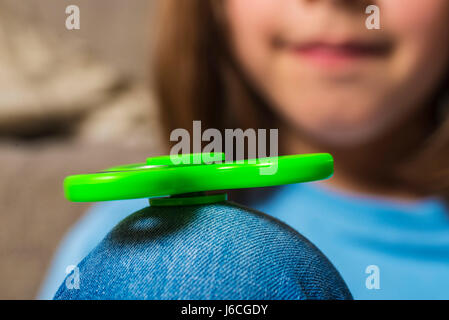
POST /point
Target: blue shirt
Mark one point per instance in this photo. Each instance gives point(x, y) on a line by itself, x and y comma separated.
point(383, 249)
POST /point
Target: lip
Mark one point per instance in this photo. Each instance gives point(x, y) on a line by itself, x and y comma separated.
point(339, 54)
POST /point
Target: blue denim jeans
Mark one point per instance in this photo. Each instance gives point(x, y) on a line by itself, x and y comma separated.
point(219, 251)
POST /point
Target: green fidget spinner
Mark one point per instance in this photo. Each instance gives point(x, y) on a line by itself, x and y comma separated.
point(182, 180)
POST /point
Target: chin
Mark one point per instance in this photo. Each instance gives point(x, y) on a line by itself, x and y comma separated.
point(334, 133)
point(343, 138)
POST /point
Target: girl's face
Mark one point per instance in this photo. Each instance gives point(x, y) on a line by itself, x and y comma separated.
point(331, 77)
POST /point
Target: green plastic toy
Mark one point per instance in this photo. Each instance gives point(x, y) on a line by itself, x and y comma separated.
point(168, 184)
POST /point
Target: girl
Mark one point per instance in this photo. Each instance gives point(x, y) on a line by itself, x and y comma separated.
point(375, 99)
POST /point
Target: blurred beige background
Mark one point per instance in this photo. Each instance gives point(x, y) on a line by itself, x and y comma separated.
point(70, 102)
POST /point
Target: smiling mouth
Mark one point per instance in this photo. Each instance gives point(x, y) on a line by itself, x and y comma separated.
point(337, 54)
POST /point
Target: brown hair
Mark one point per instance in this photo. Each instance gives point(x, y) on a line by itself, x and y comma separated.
point(195, 78)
